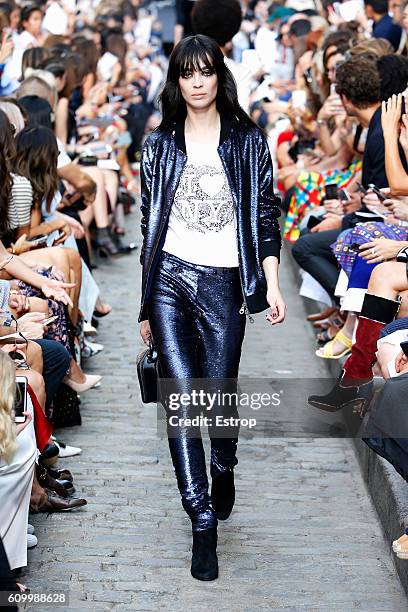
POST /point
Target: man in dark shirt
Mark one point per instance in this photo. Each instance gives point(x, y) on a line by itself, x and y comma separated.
point(383, 27)
point(358, 84)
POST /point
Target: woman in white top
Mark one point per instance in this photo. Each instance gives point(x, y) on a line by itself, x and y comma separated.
point(18, 451)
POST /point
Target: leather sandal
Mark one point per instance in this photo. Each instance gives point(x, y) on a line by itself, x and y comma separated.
point(326, 351)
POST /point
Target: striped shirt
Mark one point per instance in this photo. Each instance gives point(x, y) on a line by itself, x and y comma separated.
point(21, 201)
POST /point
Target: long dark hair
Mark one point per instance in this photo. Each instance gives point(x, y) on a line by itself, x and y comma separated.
point(36, 159)
point(191, 53)
point(7, 154)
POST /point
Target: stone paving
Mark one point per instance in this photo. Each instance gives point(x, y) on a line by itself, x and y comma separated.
point(304, 535)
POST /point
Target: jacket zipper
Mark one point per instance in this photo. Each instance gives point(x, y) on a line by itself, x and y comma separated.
point(244, 310)
point(159, 237)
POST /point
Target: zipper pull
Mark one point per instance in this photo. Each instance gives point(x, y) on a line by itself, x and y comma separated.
point(244, 310)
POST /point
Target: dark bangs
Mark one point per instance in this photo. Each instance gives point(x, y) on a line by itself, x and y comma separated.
point(196, 56)
point(194, 53)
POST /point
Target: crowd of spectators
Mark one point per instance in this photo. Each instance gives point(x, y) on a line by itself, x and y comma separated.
point(78, 94)
point(77, 88)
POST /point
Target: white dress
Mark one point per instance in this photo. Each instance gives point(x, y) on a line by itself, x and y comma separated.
point(15, 489)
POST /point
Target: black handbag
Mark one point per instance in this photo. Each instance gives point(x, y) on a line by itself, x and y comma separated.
point(148, 373)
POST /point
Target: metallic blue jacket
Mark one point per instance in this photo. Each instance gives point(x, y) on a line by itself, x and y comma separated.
point(245, 156)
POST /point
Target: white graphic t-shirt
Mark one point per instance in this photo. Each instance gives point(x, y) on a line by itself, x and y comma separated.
point(202, 221)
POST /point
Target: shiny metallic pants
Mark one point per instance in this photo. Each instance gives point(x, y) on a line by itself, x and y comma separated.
point(198, 331)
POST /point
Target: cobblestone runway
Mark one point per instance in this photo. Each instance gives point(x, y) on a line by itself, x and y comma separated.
point(303, 537)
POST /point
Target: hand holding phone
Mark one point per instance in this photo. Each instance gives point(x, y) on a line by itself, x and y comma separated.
point(381, 196)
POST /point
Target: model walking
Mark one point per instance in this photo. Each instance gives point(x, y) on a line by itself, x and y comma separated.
point(210, 257)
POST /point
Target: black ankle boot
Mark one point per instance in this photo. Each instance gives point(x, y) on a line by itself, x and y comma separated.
point(356, 397)
point(104, 243)
point(223, 494)
point(124, 249)
point(204, 562)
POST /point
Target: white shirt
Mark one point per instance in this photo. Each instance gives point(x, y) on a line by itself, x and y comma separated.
point(243, 79)
point(202, 222)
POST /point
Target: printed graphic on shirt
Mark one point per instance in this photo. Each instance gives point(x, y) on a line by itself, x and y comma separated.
point(203, 199)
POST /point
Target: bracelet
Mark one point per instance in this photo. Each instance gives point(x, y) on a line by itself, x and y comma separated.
point(402, 223)
point(322, 122)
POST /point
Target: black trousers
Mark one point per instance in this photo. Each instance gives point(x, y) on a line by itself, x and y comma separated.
point(314, 255)
point(56, 364)
point(198, 331)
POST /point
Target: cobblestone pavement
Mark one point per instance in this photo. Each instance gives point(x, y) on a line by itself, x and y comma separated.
point(303, 536)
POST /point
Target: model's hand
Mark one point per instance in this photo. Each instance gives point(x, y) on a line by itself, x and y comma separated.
point(278, 306)
point(145, 332)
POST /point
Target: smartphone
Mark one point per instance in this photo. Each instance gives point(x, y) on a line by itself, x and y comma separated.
point(381, 196)
point(361, 188)
point(332, 191)
point(20, 401)
point(313, 221)
point(344, 195)
point(38, 241)
point(60, 235)
point(49, 320)
point(333, 91)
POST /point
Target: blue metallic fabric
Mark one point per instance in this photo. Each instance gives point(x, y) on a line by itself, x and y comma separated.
point(198, 332)
point(245, 156)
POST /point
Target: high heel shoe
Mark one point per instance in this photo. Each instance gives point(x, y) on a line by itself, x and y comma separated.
point(99, 315)
point(204, 562)
point(104, 244)
point(91, 381)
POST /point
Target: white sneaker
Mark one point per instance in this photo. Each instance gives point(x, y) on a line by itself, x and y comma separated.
point(31, 540)
point(67, 451)
point(91, 348)
point(89, 329)
point(30, 529)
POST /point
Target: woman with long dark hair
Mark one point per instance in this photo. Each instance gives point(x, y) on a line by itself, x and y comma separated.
point(16, 196)
point(210, 257)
